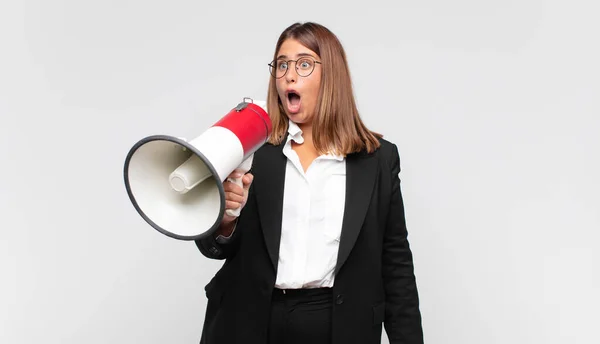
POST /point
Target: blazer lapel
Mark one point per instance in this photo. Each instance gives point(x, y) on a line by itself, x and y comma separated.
point(268, 186)
point(361, 171)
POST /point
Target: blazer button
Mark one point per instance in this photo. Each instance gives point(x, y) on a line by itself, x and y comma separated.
point(214, 250)
point(339, 299)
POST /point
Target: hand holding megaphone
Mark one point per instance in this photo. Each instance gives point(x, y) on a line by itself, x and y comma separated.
point(236, 194)
point(237, 180)
point(178, 186)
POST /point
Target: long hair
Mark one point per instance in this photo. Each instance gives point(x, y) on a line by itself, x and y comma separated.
point(336, 125)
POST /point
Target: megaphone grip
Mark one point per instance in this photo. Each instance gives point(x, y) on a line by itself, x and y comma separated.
point(235, 212)
point(243, 168)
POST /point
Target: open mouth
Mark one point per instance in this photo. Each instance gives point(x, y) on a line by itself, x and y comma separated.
point(293, 98)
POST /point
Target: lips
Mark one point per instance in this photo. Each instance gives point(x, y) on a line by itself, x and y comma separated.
point(293, 101)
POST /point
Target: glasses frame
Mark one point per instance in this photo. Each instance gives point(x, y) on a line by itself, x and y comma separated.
point(273, 66)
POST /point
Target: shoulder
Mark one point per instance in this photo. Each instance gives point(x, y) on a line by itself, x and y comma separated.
point(268, 156)
point(387, 151)
point(388, 156)
point(268, 150)
point(386, 147)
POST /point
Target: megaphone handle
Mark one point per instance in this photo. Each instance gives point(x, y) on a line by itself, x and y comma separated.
point(238, 181)
point(243, 168)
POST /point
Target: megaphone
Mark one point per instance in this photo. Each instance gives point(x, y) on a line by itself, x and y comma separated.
point(177, 186)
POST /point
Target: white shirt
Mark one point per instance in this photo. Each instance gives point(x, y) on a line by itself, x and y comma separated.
point(313, 209)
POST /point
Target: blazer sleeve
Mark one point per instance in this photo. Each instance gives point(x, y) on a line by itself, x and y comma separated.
point(402, 315)
point(212, 248)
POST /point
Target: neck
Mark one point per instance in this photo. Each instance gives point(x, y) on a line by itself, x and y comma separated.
point(306, 131)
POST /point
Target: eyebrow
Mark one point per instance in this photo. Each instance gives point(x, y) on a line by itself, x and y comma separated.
point(299, 55)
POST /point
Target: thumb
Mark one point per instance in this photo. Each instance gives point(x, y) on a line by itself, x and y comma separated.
point(247, 180)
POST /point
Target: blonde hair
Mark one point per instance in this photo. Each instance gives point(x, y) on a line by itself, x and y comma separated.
point(337, 127)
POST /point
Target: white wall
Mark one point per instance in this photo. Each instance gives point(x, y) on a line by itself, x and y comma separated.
point(494, 106)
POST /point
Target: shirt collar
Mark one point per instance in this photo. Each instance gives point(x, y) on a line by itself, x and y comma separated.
point(295, 134)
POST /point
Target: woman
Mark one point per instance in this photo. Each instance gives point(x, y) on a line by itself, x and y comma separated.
point(319, 253)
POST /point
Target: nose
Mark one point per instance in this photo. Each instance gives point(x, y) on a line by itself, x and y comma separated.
point(292, 73)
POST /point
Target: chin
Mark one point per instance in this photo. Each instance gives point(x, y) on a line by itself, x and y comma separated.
point(297, 118)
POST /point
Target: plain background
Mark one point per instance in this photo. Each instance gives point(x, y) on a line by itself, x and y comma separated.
point(494, 106)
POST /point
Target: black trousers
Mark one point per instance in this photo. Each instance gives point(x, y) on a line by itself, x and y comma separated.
point(301, 316)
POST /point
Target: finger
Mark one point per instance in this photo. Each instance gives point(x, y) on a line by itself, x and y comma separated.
point(247, 180)
point(234, 197)
point(232, 187)
point(232, 205)
point(235, 174)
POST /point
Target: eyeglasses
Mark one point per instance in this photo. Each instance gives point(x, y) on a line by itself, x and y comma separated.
point(304, 67)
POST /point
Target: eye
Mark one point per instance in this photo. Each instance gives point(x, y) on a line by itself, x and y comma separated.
point(305, 64)
point(282, 65)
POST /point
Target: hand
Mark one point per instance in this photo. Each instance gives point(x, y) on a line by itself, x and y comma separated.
point(235, 196)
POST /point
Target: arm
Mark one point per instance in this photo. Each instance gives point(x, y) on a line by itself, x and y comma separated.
point(225, 241)
point(402, 314)
point(217, 246)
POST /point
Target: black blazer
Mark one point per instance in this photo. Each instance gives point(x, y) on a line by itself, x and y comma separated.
point(374, 278)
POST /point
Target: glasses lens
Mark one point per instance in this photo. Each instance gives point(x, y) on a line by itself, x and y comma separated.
point(278, 68)
point(305, 66)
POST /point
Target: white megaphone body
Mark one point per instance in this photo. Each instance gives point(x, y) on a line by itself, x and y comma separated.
point(177, 186)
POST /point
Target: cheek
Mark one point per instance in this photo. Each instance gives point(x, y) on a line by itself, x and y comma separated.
point(280, 89)
point(314, 87)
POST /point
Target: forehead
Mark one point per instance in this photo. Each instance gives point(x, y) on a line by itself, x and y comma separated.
point(293, 49)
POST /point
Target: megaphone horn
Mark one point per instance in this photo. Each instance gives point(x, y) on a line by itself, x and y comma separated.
point(177, 186)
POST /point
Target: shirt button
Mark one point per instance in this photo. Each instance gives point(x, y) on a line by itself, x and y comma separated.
point(339, 299)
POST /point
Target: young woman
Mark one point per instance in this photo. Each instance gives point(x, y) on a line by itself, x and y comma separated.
point(319, 253)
